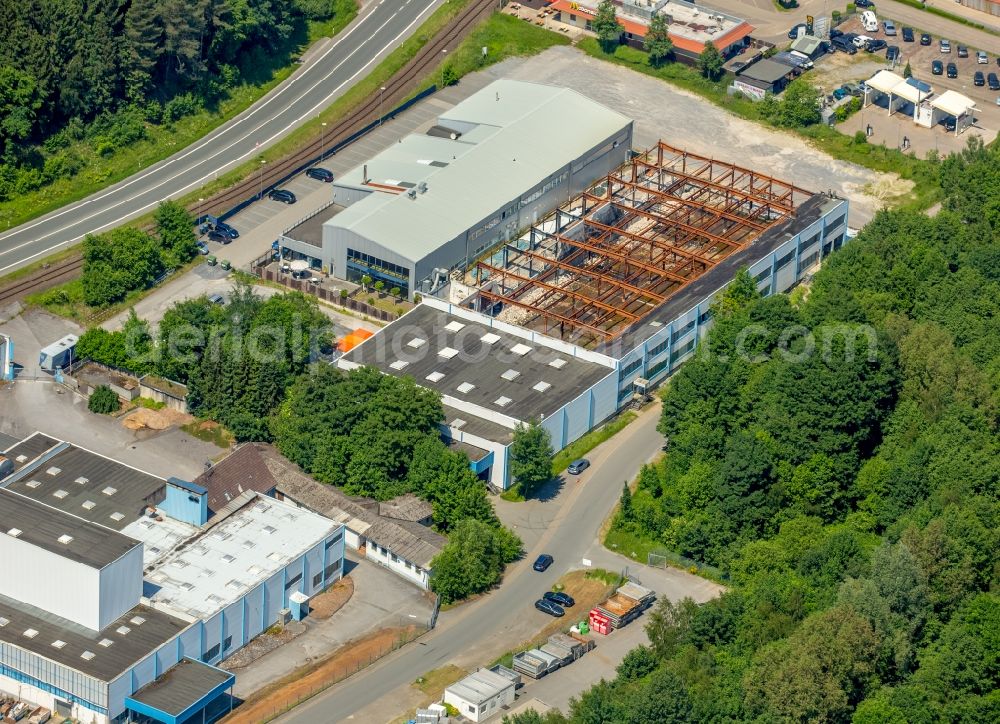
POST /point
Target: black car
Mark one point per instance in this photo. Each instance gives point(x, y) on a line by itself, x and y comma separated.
point(925, 39)
point(834, 33)
point(907, 35)
point(875, 45)
point(892, 53)
point(285, 197)
point(560, 598)
point(543, 562)
point(937, 67)
point(863, 3)
point(844, 45)
point(952, 70)
point(320, 174)
point(553, 609)
point(963, 52)
point(978, 78)
point(218, 236)
point(578, 466)
point(949, 123)
point(993, 82)
point(794, 32)
point(225, 228)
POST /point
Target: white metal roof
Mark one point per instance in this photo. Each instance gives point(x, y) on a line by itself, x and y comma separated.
point(538, 130)
point(159, 537)
point(953, 103)
point(885, 81)
point(909, 92)
point(481, 686)
point(231, 557)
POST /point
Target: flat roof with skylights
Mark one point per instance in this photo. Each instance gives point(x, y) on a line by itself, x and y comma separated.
point(236, 554)
point(84, 483)
point(488, 367)
point(56, 532)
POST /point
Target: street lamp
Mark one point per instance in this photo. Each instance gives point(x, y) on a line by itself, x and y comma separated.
point(322, 140)
point(443, 66)
point(380, 92)
point(261, 177)
point(198, 220)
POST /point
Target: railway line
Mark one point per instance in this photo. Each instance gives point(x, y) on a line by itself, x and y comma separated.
point(390, 22)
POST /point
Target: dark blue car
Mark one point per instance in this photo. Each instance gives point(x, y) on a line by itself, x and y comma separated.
point(558, 597)
point(553, 609)
point(543, 562)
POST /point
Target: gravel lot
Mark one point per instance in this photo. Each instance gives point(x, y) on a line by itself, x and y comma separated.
point(686, 120)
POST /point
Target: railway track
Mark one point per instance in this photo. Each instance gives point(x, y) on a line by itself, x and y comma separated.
point(397, 88)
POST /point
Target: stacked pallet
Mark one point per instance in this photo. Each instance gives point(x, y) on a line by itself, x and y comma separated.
point(624, 606)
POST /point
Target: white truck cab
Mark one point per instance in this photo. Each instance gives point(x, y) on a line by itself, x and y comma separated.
point(869, 21)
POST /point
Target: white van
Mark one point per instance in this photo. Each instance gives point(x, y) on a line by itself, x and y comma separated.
point(869, 21)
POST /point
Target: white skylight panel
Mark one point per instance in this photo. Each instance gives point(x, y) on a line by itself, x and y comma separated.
point(435, 377)
point(447, 352)
point(466, 387)
point(520, 349)
point(454, 326)
point(541, 386)
point(510, 375)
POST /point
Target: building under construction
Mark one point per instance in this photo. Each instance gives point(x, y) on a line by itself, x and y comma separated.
point(602, 299)
point(630, 266)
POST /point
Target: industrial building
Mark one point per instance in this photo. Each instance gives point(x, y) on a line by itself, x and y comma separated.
point(689, 26)
point(482, 694)
point(603, 299)
point(119, 597)
point(490, 167)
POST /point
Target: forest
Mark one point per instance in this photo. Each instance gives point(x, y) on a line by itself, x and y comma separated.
point(844, 480)
point(100, 71)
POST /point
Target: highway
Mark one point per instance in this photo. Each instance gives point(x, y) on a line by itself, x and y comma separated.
point(569, 535)
point(379, 28)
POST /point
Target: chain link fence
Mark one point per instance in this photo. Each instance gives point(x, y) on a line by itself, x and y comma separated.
point(664, 558)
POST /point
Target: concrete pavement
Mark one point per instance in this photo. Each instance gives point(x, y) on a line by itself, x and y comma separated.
point(477, 632)
point(380, 27)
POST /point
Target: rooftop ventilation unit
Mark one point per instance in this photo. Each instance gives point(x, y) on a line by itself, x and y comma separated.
point(65, 539)
point(87, 655)
point(14, 532)
point(412, 193)
point(422, 187)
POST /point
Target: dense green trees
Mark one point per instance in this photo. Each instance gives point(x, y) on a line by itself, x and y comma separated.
point(606, 26)
point(657, 42)
point(473, 560)
point(101, 70)
point(710, 62)
point(103, 400)
point(128, 259)
point(531, 457)
point(838, 460)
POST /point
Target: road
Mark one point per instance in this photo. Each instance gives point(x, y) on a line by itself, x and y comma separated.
point(568, 536)
point(380, 27)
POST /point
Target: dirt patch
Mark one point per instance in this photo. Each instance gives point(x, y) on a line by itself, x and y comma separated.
point(332, 600)
point(146, 419)
point(309, 680)
point(273, 638)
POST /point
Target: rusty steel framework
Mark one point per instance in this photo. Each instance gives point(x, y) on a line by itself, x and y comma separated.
point(612, 254)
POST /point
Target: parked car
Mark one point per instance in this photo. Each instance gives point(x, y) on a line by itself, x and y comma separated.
point(844, 45)
point(282, 195)
point(578, 466)
point(963, 52)
point(892, 53)
point(861, 41)
point(794, 32)
point(925, 39)
point(219, 237)
point(945, 45)
point(876, 44)
point(993, 82)
point(949, 123)
point(982, 58)
point(907, 35)
point(320, 174)
point(863, 3)
point(225, 228)
point(216, 299)
point(978, 78)
point(553, 609)
point(202, 248)
point(889, 27)
point(937, 67)
point(835, 33)
point(854, 89)
point(542, 562)
point(839, 93)
point(951, 70)
point(560, 598)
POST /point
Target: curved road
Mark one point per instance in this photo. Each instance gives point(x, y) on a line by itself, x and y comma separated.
point(380, 27)
point(568, 536)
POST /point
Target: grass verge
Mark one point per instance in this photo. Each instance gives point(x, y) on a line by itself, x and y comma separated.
point(588, 442)
point(638, 549)
point(436, 680)
point(99, 172)
point(209, 431)
point(923, 174)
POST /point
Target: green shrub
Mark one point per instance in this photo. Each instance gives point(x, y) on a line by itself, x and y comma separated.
point(103, 401)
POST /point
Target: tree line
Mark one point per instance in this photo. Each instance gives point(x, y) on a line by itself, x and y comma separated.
point(852, 502)
point(101, 70)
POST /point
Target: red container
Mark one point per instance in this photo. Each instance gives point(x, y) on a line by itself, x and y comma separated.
point(599, 623)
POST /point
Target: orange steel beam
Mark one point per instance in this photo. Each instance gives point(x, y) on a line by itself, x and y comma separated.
point(667, 221)
point(546, 313)
point(576, 296)
point(583, 271)
point(721, 188)
point(687, 154)
point(669, 197)
point(624, 258)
